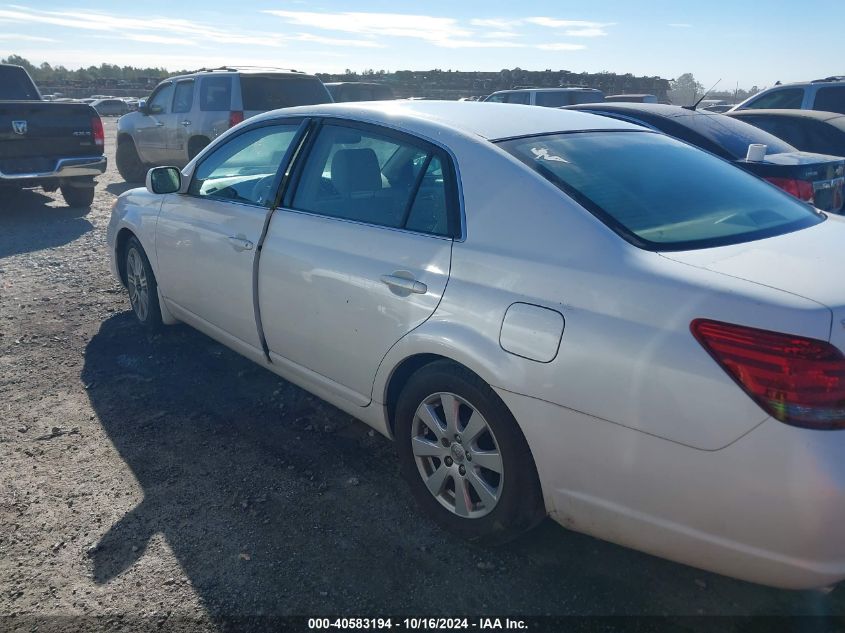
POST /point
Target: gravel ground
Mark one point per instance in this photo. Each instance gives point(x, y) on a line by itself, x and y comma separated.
point(161, 480)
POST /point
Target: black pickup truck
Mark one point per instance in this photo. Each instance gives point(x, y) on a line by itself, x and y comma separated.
point(46, 144)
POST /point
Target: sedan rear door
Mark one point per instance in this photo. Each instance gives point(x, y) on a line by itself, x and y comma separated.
point(358, 256)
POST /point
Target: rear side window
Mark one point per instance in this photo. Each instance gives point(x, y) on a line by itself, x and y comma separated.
point(215, 94)
point(377, 179)
point(554, 99)
point(268, 92)
point(659, 193)
point(830, 99)
point(786, 99)
point(183, 98)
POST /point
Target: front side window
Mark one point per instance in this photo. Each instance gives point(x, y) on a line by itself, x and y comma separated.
point(660, 193)
point(215, 94)
point(160, 101)
point(518, 97)
point(244, 168)
point(183, 98)
point(496, 98)
point(831, 99)
point(786, 99)
point(377, 179)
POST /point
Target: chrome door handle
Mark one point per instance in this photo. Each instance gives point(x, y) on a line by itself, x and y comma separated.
point(186, 123)
point(402, 283)
point(240, 243)
point(159, 124)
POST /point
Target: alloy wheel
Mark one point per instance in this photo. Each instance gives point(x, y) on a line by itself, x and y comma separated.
point(136, 281)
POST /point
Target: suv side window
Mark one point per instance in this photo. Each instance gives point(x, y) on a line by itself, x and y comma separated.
point(215, 94)
point(498, 98)
point(784, 99)
point(830, 99)
point(368, 177)
point(183, 97)
point(518, 97)
point(244, 168)
point(160, 99)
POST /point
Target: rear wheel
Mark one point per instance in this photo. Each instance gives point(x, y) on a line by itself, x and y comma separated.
point(464, 457)
point(196, 145)
point(129, 163)
point(78, 196)
point(142, 286)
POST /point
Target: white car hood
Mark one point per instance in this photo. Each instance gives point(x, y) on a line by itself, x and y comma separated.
point(807, 263)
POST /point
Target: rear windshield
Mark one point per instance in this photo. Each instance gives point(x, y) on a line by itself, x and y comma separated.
point(15, 85)
point(660, 193)
point(267, 92)
point(557, 98)
point(733, 135)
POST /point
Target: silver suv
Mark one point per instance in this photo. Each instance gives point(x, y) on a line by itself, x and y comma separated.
point(548, 97)
point(827, 95)
point(183, 114)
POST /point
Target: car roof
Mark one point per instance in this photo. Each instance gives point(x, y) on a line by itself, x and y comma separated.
point(802, 114)
point(492, 121)
point(551, 89)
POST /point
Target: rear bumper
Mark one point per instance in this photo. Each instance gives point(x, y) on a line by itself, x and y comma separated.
point(64, 168)
point(768, 508)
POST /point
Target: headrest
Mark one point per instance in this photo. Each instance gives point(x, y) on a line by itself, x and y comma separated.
point(356, 170)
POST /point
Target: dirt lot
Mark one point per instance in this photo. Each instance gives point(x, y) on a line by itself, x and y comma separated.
point(162, 480)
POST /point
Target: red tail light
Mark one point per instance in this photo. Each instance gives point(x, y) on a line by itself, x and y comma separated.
point(797, 380)
point(801, 189)
point(97, 132)
point(235, 117)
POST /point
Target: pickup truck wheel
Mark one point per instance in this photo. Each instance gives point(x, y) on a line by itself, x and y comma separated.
point(129, 163)
point(142, 286)
point(464, 457)
point(77, 196)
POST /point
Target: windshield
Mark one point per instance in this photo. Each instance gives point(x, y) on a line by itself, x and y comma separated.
point(733, 135)
point(268, 92)
point(660, 193)
point(15, 85)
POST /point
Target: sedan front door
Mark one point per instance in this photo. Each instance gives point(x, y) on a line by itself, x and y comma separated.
point(358, 256)
point(207, 238)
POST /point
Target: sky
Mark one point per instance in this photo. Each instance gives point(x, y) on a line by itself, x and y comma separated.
point(741, 43)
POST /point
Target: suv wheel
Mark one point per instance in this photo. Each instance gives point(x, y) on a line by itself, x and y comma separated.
point(129, 163)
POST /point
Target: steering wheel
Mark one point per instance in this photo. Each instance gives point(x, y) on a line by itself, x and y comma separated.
point(263, 189)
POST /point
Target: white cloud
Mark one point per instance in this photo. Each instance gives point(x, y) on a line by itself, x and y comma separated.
point(561, 46)
point(502, 25)
point(477, 44)
point(572, 28)
point(24, 38)
point(500, 34)
point(157, 39)
point(330, 41)
point(424, 27)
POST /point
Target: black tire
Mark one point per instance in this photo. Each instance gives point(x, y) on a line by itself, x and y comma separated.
point(129, 163)
point(196, 145)
point(520, 503)
point(78, 196)
point(139, 277)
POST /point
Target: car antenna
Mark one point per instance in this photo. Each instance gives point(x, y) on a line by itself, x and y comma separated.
point(695, 105)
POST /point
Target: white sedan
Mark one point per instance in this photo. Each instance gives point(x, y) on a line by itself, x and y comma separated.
point(550, 312)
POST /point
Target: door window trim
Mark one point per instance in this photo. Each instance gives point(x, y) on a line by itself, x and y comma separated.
point(452, 183)
point(303, 124)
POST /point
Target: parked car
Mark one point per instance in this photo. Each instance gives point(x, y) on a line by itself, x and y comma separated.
point(827, 95)
point(718, 108)
point(359, 91)
point(550, 312)
point(633, 98)
point(814, 178)
point(110, 107)
point(548, 97)
point(47, 144)
point(808, 130)
point(185, 113)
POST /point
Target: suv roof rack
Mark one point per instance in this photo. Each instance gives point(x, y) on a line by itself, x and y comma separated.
point(234, 69)
point(832, 78)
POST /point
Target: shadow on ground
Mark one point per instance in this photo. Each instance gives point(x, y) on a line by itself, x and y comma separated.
point(275, 503)
point(28, 224)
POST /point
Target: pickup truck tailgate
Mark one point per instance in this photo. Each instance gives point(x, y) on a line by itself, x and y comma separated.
point(34, 133)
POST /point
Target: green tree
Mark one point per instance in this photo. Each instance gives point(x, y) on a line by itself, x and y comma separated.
point(685, 90)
